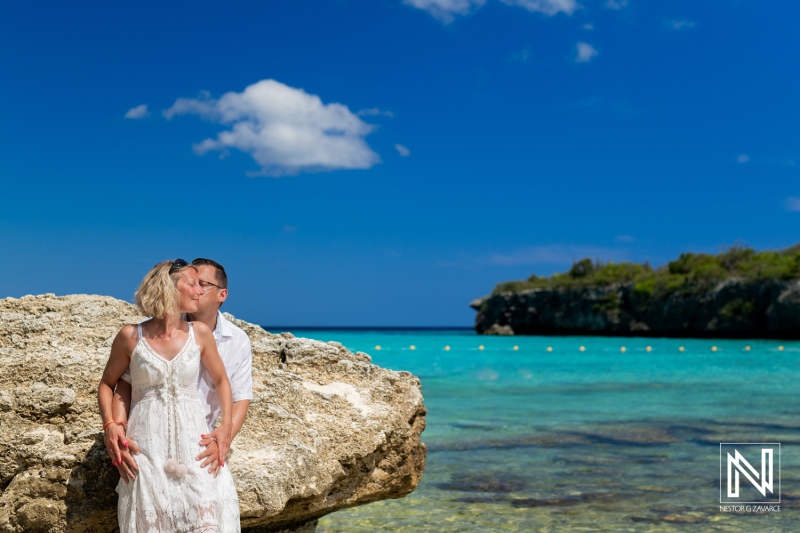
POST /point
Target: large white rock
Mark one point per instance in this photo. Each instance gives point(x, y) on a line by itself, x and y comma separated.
point(326, 429)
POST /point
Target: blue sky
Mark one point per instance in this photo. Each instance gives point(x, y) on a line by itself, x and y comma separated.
point(366, 163)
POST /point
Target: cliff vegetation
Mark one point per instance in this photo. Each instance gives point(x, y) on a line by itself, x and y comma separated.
point(690, 273)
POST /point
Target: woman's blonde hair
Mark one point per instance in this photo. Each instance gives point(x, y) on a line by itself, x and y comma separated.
point(157, 295)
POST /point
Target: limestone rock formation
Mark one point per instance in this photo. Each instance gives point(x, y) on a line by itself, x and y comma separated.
point(326, 429)
point(497, 329)
point(732, 308)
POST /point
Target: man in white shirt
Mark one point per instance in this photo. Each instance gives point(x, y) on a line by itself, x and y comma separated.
point(234, 349)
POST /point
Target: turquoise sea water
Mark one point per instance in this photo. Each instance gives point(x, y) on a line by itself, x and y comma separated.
point(528, 439)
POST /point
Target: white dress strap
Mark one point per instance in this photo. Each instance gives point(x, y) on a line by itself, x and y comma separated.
point(140, 330)
point(191, 330)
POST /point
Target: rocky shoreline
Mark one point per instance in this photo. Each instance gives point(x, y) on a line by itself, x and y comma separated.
point(733, 308)
point(326, 429)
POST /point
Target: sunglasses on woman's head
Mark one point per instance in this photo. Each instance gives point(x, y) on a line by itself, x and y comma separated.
point(177, 265)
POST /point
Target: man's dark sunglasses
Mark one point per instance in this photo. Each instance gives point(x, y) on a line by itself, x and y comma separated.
point(177, 265)
point(204, 284)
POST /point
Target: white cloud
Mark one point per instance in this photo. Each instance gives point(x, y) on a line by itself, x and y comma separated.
point(585, 52)
point(548, 7)
point(521, 56)
point(557, 254)
point(445, 10)
point(285, 130)
point(742, 158)
point(140, 111)
point(616, 4)
point(402, 150)
point(374, 111)
point(626, 239)
point(600, 104)
point(678, 25)
point(792, 203)
point(783, 160)
point(588, 26)
point(204, 105)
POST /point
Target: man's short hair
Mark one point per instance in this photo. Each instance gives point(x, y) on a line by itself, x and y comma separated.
point(219, 274)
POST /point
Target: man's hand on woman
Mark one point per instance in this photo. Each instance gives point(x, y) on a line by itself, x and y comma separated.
point(210, 455)
point(222, 436)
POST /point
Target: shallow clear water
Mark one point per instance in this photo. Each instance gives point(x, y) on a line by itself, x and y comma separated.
point(528, 439)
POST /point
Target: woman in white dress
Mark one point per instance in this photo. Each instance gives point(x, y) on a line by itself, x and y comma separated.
point(171, 493)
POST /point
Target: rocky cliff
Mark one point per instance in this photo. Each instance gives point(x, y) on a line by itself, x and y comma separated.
point(732, 308)
point(326, 429)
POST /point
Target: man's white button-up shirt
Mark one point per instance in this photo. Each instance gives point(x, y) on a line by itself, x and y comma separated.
point(233, 345)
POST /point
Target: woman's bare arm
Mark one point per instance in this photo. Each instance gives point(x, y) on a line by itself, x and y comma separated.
point(121, 405)
point(118, 361)
point(216, 369)
point(120, 408)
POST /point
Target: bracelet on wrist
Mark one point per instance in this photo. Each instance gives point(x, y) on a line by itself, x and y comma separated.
point(108, 424)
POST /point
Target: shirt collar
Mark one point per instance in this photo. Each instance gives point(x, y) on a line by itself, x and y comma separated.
point(223, 328)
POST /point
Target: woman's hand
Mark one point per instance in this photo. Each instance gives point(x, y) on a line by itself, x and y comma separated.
point(115, 439)
point(222, 435)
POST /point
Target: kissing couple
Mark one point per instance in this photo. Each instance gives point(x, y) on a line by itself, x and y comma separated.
point(165, 384)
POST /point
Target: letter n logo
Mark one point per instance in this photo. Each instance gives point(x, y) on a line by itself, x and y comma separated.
point(737, 473)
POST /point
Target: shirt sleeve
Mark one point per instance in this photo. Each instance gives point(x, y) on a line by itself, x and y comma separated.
point(242, 375)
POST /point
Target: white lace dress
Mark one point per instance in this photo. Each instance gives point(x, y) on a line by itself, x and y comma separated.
point(172, 493)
